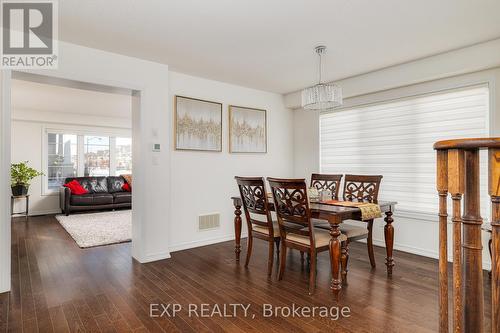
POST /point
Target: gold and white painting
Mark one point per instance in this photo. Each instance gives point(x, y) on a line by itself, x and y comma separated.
point(198, 124)
point(247, 130)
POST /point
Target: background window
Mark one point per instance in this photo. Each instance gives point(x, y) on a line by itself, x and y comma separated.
point(78, 155)
point(96, 155)
point(395, 139)
point(123, 156)
point(62, 158)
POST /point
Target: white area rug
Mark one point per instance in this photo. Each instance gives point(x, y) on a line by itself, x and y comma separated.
point(98, 229)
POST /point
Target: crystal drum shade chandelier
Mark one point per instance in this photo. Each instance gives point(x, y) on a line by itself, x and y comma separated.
point(322, 96)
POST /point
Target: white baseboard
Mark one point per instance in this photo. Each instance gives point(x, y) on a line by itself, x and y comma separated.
point(420, 251)
point(203, 242)
point(400, 247)
point(155, 257)
point(39, 212)
point(46, 212)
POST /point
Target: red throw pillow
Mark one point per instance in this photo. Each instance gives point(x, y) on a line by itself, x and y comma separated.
point(126, 187)
point(76, 188)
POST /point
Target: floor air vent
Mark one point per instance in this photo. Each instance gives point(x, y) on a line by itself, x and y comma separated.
point(208, 221)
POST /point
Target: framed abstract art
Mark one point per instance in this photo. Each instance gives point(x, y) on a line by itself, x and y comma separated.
point(198, 124)
point(247, 130)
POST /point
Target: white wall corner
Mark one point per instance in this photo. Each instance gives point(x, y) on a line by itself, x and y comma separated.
point(5, 236)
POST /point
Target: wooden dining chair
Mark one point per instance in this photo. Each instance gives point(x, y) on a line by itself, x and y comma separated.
point(259, 221)
point(294, 218)
point(324, 182)
point(327, 182)
point(360, 188)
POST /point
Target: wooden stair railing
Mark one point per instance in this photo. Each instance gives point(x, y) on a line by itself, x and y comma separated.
point(458, 174)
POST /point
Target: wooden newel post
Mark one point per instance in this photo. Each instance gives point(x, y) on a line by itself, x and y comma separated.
point(458, 174)
point(494, 191)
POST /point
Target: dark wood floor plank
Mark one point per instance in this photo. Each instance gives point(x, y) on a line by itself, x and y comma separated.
point(15, 316)
point(27, 299)
point(224, 285)
point(86, 316)
point(109, 308)
point(72, 318)
point(58, 319)
point(183, 296)
point(59, 287)
point(4, 312)
point(122, 326)
point(127, 313)
point(104, 324)
point(214, 288)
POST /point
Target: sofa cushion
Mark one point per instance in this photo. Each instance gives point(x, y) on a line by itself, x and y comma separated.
point(122, 197)
point(115, 184)
point(92, 199)
point(92, 184)
point(75, 187)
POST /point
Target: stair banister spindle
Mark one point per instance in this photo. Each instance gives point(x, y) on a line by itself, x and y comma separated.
point(458, 173)
point(442, 187)
point(494, 191)
point(456, 187)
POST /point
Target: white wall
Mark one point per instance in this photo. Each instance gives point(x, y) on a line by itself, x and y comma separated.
point(5, 77)
point(202, 182)
point(414, 233)
point(27, 132)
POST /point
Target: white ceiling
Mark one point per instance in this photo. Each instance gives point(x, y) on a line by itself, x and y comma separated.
point(267, 44)
point(34, 96)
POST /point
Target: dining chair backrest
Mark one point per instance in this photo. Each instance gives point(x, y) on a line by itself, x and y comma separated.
point(361, 188)
point(292, 207)
point(254, 197)
point(327, 182)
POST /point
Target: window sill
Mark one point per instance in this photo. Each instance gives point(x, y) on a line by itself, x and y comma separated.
point(50, 193)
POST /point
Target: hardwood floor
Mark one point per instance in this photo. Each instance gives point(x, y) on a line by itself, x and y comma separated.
point(58, 287)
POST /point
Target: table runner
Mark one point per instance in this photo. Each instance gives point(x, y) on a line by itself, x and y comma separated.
point(369, 210)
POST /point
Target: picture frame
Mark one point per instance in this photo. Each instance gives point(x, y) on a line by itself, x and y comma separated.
point(197, 124)
point(247, 130)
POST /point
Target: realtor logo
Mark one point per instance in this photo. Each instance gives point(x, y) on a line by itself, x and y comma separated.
point(29, 34)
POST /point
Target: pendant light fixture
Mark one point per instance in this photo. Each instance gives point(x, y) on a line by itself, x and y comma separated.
point(322, 96)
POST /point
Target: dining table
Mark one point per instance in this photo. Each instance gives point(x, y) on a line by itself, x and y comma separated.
point(335, 215)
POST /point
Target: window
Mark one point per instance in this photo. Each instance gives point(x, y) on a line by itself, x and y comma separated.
point(69, 154)
point(62, 158)
point(96, 155)
point(395, 139)
point(123, 156)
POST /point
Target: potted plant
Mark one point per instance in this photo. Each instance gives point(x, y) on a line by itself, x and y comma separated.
point(20, 177)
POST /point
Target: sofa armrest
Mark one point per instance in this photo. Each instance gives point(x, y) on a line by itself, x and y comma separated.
point(64, 198)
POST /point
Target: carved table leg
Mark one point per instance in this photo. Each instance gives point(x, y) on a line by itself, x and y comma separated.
point(237, 231)
point(344, 259)
point(335, 251)
point(491, 256)
point(389, 241)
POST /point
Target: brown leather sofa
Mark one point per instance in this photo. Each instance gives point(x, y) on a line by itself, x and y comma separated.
point(104, 193)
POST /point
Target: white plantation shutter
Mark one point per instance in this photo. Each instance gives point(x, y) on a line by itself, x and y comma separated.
point(395, 139)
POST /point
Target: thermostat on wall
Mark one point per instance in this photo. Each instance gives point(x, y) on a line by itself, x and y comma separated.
point(156, 147)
